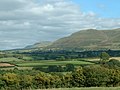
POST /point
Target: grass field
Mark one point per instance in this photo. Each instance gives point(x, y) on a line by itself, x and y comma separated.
point(91, 88)
point(29, 64)
point(10, 59)
point(50, 62)
point(45, 63)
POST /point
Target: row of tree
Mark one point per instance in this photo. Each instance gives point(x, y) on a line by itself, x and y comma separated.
point(56, 68)
point(6, 55)
point(64, 54)
point(88, 76)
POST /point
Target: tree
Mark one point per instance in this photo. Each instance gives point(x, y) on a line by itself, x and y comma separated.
point(26, 81)
point(104, 57)
point(11, 79)
point(113, 63)
point(68, 80)
point(78, 77)
point(53, 68)
point(70, 67)
point(42, 80)
point(2, 83)
point(95, 75)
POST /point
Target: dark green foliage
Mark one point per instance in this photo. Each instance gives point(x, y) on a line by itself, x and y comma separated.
point(104, 57)
point(53, 68)
point(95, 76)
point(62, 55)
point(56, 68)
point(78, 78)
point(88, 76)
point(70, 67)
point(114, 62)
point(26, 81)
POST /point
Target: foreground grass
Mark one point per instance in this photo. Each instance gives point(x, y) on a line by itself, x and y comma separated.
point(90, 88)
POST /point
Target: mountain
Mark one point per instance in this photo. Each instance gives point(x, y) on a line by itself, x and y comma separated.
point(39, 45)
point(90, 39)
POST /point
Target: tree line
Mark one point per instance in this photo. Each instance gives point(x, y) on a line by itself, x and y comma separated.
point(87, 76)
point(64, 54)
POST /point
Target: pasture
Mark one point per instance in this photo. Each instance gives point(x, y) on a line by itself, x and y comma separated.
point(27, 63)
point(10, 59)
point(50, 62)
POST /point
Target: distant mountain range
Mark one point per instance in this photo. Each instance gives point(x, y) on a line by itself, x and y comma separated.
point(39, 45)
point(90, 39)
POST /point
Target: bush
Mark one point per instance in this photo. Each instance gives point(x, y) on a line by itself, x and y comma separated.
point(114, 62)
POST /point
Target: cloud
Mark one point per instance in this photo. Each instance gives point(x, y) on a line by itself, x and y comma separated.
point(24, 22)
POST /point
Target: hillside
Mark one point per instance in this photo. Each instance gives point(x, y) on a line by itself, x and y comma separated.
point(39, 45)
point(90, 39)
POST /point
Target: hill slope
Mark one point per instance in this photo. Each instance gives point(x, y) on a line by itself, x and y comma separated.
point(90, 39)
point(39, 45)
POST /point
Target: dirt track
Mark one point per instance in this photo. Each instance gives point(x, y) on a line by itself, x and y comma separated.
point(6, 65)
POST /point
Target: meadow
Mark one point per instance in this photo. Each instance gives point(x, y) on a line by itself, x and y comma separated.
point(26, 63)
point(49, 62)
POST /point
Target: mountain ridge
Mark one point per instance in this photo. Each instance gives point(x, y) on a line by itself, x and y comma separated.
point(90, 39)
point(41, 44)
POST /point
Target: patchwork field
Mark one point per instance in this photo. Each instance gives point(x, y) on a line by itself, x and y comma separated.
point(29, 64)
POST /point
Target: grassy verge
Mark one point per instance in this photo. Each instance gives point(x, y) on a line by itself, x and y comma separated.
point(91, 88)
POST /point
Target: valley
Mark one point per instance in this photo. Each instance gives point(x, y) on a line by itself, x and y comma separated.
point(70, 63)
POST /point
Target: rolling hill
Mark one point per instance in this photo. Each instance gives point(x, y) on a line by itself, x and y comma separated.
point(90, 39)
point(39, 45)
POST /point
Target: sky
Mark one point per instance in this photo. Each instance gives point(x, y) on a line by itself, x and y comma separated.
point(25, 22)
point(103, 8)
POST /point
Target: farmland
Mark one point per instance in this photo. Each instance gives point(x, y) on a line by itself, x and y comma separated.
point(27, 63)
point(50, 62)
point(62, 73)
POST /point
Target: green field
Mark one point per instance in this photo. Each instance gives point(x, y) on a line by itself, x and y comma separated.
point(29, 64)
point(50, 62)
point(10, 59)
point(91, 88)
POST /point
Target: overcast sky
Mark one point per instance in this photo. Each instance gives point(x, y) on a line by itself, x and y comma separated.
point(25, 22)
